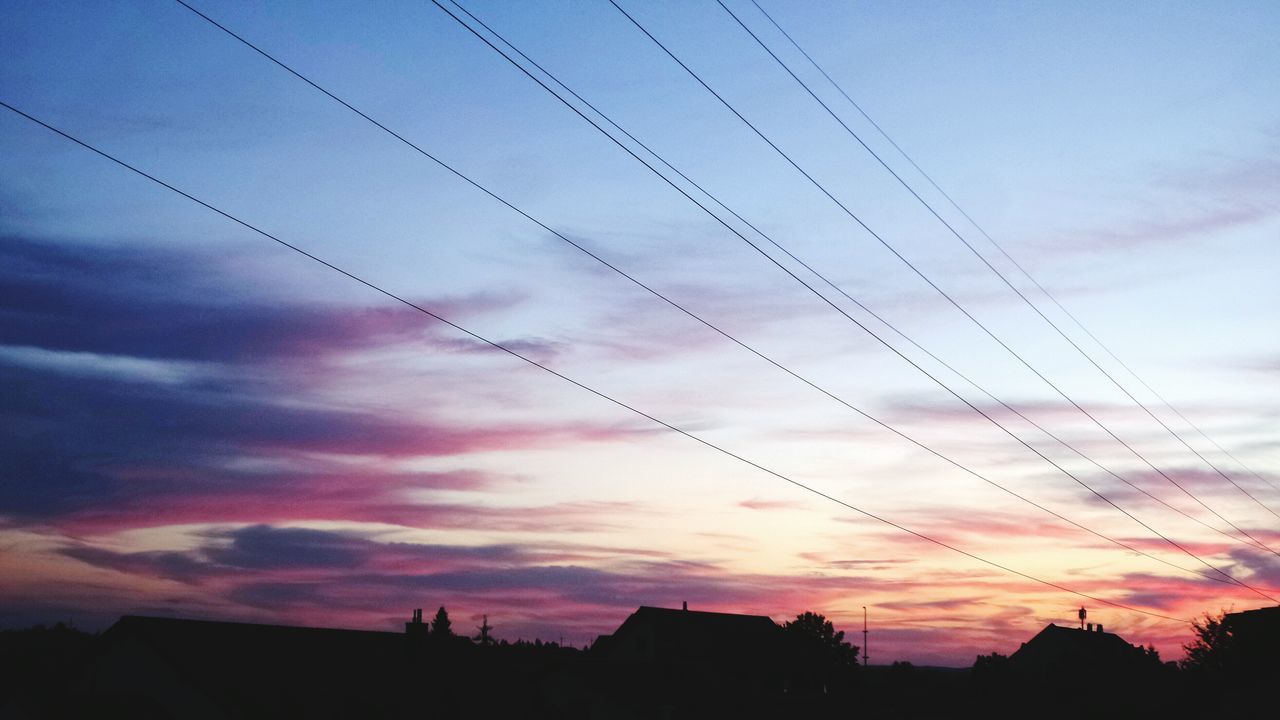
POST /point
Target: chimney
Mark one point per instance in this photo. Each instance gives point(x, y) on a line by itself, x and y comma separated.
point(1090, 627)
point(685, 605)
point(415, 626)
point(1099, 627)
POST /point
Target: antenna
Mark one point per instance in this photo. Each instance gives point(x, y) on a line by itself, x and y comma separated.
point(864, 635)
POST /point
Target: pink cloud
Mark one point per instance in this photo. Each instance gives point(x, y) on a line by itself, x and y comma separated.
point(759, 504)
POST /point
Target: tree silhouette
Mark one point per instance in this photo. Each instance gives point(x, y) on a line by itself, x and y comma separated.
point(820, 651)
point(995, 662)
point(440, 625)
point(991, 672)
point(1210, 651)
point(816, 631)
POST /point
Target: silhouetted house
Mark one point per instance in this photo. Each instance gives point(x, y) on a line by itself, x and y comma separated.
point(1255, 641)
point(200, 669)
point(1076, 672)
point(694, 637)
point(1077, 659)
point(693, 659)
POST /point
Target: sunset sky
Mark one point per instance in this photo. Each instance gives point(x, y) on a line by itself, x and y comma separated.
point(199, 422)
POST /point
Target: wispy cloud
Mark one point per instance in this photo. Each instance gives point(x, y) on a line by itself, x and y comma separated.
point(1213, 196)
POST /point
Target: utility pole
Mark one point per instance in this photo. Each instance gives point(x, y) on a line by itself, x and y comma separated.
point(864, 636)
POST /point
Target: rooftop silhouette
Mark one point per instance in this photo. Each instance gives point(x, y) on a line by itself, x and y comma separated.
point(659, 662)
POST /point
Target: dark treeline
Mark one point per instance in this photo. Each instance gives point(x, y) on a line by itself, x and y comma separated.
point(660, 664)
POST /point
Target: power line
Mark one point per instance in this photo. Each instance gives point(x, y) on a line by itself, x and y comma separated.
point(810, 268)
point(933, 378)
point(824, 298)
point(927, 279)
point(724, 333)
point(883, 133)
point(546, 368)
point(918, 272)
point(987, 263)
point(1077, 480)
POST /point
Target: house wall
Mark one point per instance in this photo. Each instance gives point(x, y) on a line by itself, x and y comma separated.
point(130, 670)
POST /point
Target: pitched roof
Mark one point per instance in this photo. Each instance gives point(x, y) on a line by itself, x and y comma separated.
point(691, 636)
point(1057, 647)
point(714, 621)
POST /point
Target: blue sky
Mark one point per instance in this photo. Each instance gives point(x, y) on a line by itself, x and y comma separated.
point(187, 394)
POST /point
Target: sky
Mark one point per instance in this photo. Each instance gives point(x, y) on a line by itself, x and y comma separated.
point(199, 422)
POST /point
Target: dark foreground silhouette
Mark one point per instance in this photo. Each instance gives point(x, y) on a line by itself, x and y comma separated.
point(659, 663)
